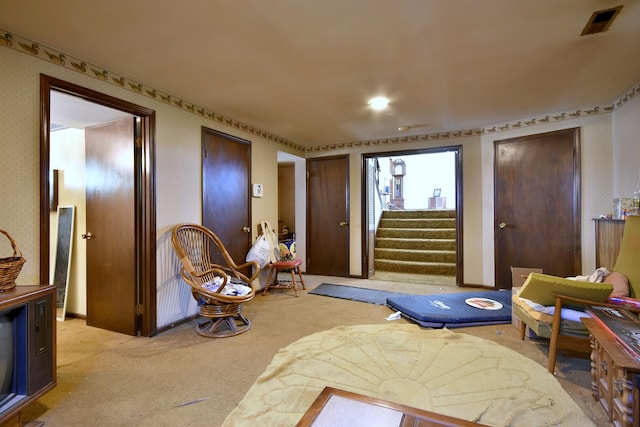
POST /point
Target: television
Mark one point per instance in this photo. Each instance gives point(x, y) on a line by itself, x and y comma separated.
point(13, 370)
point(27, 347)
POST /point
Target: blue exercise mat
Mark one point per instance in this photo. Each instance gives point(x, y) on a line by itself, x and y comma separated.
point(455, 310)
point(371, 296)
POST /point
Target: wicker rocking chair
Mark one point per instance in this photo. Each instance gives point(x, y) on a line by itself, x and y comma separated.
point(206, 265)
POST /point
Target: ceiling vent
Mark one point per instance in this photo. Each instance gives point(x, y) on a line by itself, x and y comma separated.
point(600, 21)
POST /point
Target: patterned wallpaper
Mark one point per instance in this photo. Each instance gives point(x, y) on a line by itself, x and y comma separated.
point(178, 152)
point(54, 56)
point(177, 168)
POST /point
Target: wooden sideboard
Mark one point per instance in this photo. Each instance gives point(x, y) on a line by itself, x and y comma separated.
point(616, 377)
point(608, 237)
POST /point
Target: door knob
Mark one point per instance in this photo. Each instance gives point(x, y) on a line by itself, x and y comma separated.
point(87, 236)
point(343, 223)
point(502, 225)
point(246, 229)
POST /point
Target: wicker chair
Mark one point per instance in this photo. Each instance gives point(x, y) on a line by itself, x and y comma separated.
point(205, 259)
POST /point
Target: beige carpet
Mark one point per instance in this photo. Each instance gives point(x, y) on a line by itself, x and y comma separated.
point(437, 370)
point(109, 379)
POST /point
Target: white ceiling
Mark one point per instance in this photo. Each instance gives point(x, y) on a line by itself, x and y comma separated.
point(74, 112)
point(304, 70)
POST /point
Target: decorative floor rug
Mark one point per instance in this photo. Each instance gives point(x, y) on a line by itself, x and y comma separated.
point(437, 370)
point(371, 296)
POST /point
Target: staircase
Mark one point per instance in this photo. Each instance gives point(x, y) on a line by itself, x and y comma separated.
point(417, 241)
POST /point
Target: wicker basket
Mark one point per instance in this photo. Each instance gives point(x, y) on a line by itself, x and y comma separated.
point(10, 267)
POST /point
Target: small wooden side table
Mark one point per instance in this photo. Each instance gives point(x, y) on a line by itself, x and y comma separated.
point(338, 408)
point(616, 377)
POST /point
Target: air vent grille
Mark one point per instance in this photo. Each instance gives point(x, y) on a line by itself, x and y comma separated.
point(600, 21)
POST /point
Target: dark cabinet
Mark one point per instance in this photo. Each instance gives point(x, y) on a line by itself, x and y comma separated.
point(608, 237)
point(28, 353)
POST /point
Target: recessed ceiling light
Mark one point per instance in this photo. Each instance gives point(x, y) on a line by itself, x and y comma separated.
point(379, 103)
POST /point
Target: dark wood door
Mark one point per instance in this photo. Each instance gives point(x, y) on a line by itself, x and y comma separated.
point(226, 193)
point(537, 204)
point(111, 248)
point(328, 216)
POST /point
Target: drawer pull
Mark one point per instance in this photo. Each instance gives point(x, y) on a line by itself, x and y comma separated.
point(604, 368)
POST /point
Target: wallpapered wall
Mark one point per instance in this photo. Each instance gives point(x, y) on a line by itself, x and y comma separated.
point(177, 171)
point(178, 165)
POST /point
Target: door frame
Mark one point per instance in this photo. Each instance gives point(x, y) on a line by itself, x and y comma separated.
point(145, 196)
point(204, 190)
point(576, 195)
point(310, 212)
point(459, 204)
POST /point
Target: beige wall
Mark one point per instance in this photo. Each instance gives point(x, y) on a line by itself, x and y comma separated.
point(473, 204)
point(286, 197)
point(67, 155)
point(596, 185)
point(600, 138)
point(177, 170)
point(626, 149)
point(607, 139)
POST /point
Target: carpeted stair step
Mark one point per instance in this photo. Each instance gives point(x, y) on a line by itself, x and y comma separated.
point(447, 269)
point(417, 233)
point(430, 213)
point(415, 255)
point(417, 223)
point(417, 244)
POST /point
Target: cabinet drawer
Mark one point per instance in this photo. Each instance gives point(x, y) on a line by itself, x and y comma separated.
point(604, 372)
point(622, 398)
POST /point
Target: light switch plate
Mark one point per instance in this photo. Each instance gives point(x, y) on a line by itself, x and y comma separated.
point(257, 190)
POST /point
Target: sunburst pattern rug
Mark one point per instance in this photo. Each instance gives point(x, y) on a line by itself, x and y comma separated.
point(437, 370)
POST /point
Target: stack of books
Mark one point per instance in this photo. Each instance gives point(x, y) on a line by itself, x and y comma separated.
point(623, 326)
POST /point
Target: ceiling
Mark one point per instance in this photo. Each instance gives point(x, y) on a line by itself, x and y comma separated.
point(303, 70)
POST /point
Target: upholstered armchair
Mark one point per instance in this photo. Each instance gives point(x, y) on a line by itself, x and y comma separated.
point(559, 302)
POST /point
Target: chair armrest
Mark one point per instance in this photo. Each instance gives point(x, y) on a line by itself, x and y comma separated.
point(217, 271)
point(224, 271)
point(217, 295)
point(256, 270)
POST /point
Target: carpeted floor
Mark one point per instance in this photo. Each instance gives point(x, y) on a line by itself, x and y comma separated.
point(110, 379)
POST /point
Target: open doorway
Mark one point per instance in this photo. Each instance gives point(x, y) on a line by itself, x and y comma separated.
point(121, 304)
point(292, 195)
point(412, 215)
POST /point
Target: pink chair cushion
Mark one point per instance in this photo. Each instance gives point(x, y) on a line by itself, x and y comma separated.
point(286, 263)
point(619, 282)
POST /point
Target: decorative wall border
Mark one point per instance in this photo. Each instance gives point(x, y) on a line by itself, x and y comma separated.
point(56, 57)
point(69, 62)
point(628, 96)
